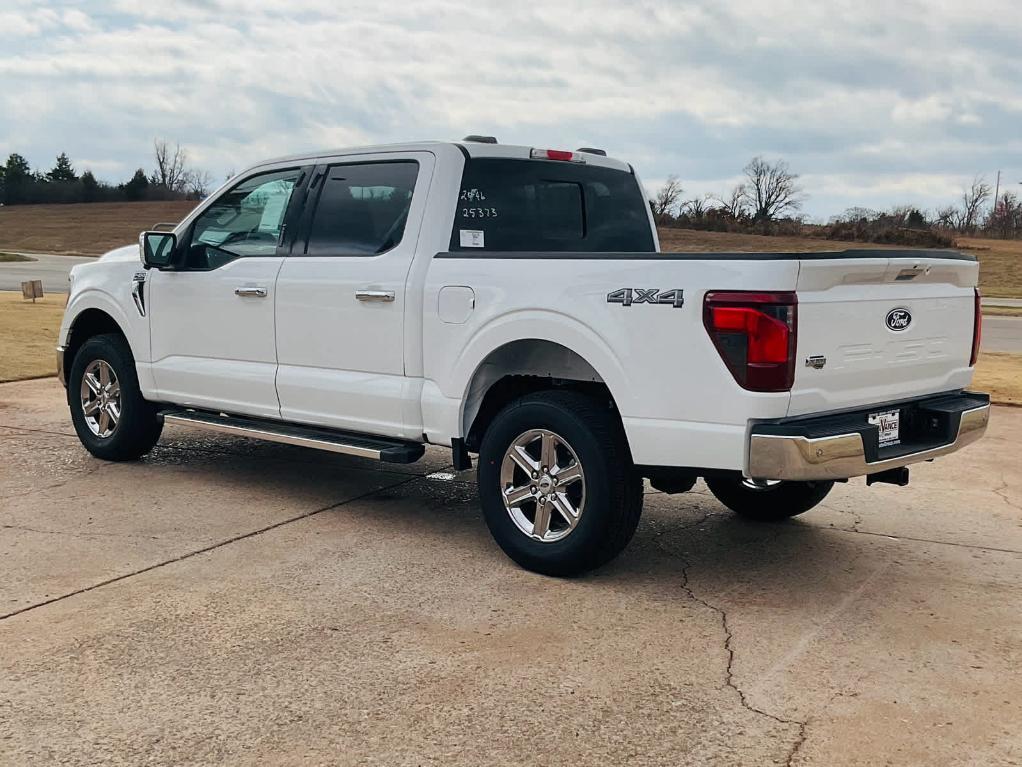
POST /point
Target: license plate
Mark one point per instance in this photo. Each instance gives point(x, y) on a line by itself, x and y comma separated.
point(888, 422)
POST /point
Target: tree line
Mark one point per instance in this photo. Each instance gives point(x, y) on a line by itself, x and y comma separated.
point(769, 199)
point(171, 178)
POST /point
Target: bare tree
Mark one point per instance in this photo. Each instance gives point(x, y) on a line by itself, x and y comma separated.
point(170, 170)
point(665, 203)
point(697, 207)
point(974, 197)
point(736, 203)
point(1005, 220)
point(945, 217)
point(772, 190)
point(198, 183)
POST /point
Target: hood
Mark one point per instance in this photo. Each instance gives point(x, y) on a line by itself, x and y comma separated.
point(126, 253)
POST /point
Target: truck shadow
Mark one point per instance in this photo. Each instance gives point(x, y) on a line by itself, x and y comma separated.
point(688, 540)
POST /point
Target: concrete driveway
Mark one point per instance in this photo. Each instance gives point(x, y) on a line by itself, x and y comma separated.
point(227, 601)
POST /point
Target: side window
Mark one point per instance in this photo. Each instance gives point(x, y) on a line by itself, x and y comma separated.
point(362, 209)
point(244, 221)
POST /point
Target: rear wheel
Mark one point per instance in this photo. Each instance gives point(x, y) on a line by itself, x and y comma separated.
point(557, 485)
point(109, 414)
point(767, 501)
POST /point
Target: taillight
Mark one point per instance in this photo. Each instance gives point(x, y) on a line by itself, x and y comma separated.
point(556, 154)
point(755, 336)
point(977, 329)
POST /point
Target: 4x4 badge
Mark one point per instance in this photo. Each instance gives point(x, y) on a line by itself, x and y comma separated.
point(630, 296)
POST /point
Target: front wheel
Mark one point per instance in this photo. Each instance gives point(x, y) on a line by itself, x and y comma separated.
point(767, 501)
point(557, 485)
point(112, 419)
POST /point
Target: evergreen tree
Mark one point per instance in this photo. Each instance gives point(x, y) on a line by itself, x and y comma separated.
point(18, 180)
point(63, 171)
point(90, 187)
point(136, 188)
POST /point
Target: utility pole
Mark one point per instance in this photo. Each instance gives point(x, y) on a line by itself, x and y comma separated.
point(997, 189)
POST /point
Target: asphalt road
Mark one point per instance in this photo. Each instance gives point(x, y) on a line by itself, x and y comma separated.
point(226, 601)
point(1000, 334)
point(52, 270)
point(1013, 302)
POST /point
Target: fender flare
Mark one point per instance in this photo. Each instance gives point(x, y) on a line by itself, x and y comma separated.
point(541, 325)
point(92, 298)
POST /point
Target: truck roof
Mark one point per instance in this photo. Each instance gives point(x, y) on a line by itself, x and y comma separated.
point(472, 148)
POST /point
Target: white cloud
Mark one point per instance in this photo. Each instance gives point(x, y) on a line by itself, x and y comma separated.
point(849, 92)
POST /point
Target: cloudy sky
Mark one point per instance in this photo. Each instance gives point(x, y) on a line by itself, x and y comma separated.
point(873, 103)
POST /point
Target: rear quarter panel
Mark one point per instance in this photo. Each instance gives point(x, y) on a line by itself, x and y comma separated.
point(678, 402)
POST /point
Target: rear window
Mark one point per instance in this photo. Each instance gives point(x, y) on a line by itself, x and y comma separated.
point(536, 205)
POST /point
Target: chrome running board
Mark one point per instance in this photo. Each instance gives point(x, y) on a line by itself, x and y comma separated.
point(347, 443)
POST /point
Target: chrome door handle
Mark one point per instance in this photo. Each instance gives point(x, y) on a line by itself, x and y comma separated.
point(375, 295)
point(250, 291)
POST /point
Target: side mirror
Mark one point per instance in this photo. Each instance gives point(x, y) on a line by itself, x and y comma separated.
point(157, 249)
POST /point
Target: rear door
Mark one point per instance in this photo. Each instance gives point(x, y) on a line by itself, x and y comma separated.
point(879, 329)
point(341, 297)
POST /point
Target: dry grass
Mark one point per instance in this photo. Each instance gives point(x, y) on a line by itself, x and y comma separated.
point(1000, 261)
point(84, 229)
point(1002, 311)
point(28, 336)
point(715, 242)
point(1000, 375)
point(1000, 265)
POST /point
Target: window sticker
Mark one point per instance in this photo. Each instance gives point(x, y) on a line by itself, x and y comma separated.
point(472, 195)
point(471, 238)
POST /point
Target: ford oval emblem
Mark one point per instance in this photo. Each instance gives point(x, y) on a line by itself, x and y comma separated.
point(899, 319)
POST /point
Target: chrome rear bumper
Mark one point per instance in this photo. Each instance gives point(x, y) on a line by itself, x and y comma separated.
point(802, 450)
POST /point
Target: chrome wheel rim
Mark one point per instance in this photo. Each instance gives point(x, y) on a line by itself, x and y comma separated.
point(101, 398)
point(543, 485)
point(760, 484)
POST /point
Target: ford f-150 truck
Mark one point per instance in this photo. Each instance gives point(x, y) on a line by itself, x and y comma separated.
point(513, 302)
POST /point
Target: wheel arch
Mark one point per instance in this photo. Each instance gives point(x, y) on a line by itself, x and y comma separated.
point(520, 367)
point(89, 322)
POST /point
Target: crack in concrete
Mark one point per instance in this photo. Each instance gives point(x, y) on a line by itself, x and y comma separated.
point(206, 549)
point(855, 531)
point(1002, 492)
point(729, 676)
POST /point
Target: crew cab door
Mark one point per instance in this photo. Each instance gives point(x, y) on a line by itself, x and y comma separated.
point(211, 315)
point(341, 297)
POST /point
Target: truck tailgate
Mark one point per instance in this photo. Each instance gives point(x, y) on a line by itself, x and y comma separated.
point(876, 329)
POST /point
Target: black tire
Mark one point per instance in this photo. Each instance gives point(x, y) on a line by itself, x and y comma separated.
point(613, 489)
point(138, 426)
point(772, 503)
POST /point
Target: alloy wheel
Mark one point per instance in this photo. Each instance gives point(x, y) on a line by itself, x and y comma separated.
point(543, 485)
point(101, 398)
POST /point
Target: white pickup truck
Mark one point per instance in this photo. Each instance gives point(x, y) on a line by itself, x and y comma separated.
point(513, 302)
